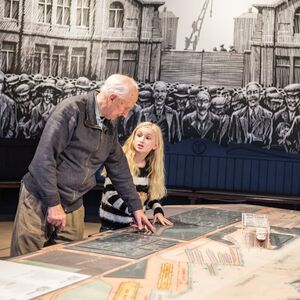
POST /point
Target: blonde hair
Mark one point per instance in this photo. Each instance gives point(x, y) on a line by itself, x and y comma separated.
point(154, 161)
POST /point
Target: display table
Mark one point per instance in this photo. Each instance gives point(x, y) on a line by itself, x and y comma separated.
point(209, 253)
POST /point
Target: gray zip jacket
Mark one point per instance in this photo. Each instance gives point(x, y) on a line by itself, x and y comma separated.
point(71, 149)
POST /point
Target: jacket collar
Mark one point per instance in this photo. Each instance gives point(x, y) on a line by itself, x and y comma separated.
point(90, 120)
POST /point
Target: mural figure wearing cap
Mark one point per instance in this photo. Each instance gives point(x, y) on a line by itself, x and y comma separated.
point(202, 122)
point(253, 123)
point(291, 110)
point(237, 101)
point(162, 115)
point(291, 115)
point(24, 108)
point(145, 96)
point(191, 104)
point(170, 101)
point(7, 113)
point(219, 108)
point(291, 139)
point(274, 99)
point(11, 83)
point(181, 96)
point(60, 84)
point(40, 113)
point(82, 85)
point(69, 90)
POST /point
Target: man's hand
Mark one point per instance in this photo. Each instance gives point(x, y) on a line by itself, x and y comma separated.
point(56, 216)
point(142, 221)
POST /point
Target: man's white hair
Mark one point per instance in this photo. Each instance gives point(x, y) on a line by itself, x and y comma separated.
point(119, 84)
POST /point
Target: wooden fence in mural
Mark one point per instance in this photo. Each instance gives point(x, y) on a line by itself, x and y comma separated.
point(225, 69)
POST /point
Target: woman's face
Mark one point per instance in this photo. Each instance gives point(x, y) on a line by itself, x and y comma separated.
point(144, 140)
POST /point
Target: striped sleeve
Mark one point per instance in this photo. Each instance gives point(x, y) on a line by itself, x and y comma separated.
point(112, 198)
point(155, 206)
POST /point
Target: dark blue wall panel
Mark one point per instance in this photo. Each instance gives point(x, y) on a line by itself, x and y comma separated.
point(200, 164)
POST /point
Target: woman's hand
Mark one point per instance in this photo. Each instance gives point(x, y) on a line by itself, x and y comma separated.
point(161, 219)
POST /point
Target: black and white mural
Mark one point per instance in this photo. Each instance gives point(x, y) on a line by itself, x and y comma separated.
point(227, 74)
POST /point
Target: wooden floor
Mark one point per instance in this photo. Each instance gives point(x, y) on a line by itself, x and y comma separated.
point(6, 230)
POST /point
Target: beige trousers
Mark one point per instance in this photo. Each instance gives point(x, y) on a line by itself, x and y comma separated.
point(31, 230)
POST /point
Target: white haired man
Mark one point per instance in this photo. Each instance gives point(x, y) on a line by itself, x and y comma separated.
point(79, 137)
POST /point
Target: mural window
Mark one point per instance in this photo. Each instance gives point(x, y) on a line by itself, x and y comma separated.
point(129, 63)
point(59, 61)
point(83, 11)
point(44, 11)
point(112, 62)
point(63, 12)
point(78, 58)
point(8, 56)
point(297, 21)
point(41, 60)
point(296, 69)
point(11, 9)
point(116, 15)
point(282, 70)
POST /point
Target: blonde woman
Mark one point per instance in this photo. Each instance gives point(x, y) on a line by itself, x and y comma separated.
point(144, 150)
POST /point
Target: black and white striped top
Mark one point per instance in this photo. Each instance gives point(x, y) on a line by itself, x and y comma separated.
point(113, 210)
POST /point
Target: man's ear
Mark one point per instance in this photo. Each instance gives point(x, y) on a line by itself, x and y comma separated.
point(112, 97)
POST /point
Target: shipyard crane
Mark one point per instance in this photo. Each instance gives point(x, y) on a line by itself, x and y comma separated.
point(193, 39)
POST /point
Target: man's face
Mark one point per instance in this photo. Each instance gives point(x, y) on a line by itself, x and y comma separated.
point(237, 102)
point(275, 104)
point(219, 109)
point(292, 101)
point(181, 102)
point(48, 96)
point(118, 106)
point(160, 95)
point(253, 95)
point(22, 98)
point(192, 101)
point(202, 104)
point(227, 96)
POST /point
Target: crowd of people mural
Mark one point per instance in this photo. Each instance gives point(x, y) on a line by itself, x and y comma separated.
point(265, 116)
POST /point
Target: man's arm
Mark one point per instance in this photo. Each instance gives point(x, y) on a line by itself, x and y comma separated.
point(55, 138)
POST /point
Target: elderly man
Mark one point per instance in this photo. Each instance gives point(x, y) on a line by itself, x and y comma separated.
point(80, 136)
point(251, 124)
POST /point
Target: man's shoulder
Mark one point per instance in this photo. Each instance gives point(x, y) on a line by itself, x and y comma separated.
point(7, 100)
point(170, 110)
point(240, 112)
point(76, 101)
point(265, 111)
point(280, 112)
point(148, 109)
point(190, 116)
point(213, 117)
